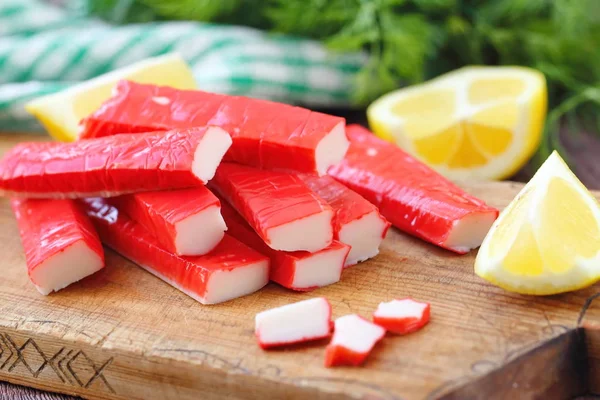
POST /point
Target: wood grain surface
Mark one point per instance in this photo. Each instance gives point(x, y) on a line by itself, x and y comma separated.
point(124, 334)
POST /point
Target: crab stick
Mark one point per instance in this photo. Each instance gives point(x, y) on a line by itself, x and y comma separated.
point(299, 322)
point(61, 246)
point(412, 196)
point(113, 165)
point(265, 134)
point(186, 222)
point(231, 270)
point(353, 339)
point(357, 222)
point(284, 212)
point(298, 270)
point(402, 316)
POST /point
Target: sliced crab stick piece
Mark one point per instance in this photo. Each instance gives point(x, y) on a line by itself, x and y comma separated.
point(284, 212)
point(299, 322)
point(113, 165)
point(231, 270)
point(353, 339)
point(265, 134)
point(357, 222)
point(402, 316)
point(298, 270)
point(186, 222)
point(412, 196)
point(60, 243)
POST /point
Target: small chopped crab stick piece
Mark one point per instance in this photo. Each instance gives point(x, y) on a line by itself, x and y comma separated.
point(298, 270)
point(284, 212)
point(353, 339)
point(402, 316)
point(265, 134)
point(231, 270)
point(412, 196)
point(357, 222)
point(61, 246)
point(113, 165)
point(299, 322)
point(187, 222)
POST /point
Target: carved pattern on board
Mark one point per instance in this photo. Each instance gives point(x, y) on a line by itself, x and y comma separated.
point(68, 365)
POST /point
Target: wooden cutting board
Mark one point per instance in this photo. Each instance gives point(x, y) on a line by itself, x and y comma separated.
point(124, 334)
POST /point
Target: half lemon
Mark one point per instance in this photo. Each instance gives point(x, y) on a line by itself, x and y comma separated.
point(475, 122)
point(61, 112)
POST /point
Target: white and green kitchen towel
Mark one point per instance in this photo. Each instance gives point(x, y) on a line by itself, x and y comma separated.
point(44, 49)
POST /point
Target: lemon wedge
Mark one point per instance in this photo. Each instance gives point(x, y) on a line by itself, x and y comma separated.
point(547, 240)
point(61, 112)
point(475, 122)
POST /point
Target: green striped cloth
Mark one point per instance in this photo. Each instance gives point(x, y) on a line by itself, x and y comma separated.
point(44, 49)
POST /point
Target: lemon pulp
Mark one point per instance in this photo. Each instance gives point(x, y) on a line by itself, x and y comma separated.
point(548, 239)
point(482, 122)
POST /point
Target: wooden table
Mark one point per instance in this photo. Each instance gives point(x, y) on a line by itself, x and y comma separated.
point(482, 342)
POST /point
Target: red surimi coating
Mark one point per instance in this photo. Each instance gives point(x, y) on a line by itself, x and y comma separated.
point(231, 270)
point(402, 316)
point(357, 222)
point(185, 222)
point(265, 134)
point(60, 244)
point(284, 212)
point(412, 196)
point(298, 270)
point(113, 165)
point(353, 339)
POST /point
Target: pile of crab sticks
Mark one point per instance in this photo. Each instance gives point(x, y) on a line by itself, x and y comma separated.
point(216, 195)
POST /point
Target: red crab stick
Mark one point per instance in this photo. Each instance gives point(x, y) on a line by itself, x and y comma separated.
point(298, 270)
point(285, 213)
point(353, 339)
point(357, 222)
point(187, 222)
point(231, 270)
point(61, 246)
point(402, 316)
point(299, 322)
point(413, 197)
point(113, 165)
point(265, 134)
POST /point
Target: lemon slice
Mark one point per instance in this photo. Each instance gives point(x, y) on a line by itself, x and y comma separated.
point(547, 240)
point(61, 112)
point(475, 122)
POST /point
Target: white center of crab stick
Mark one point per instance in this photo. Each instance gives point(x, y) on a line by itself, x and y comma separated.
point(364, 236)
point(468, 233)
point(226, 285)
point(293, 323)
point(331, 149)
point(297, 270)
point(320, 269)
point(209, 153)
point(310, 233)
point(402, 316)
point(356, 334)
point(200, 233)
point(66, 267)
point(405, 308)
